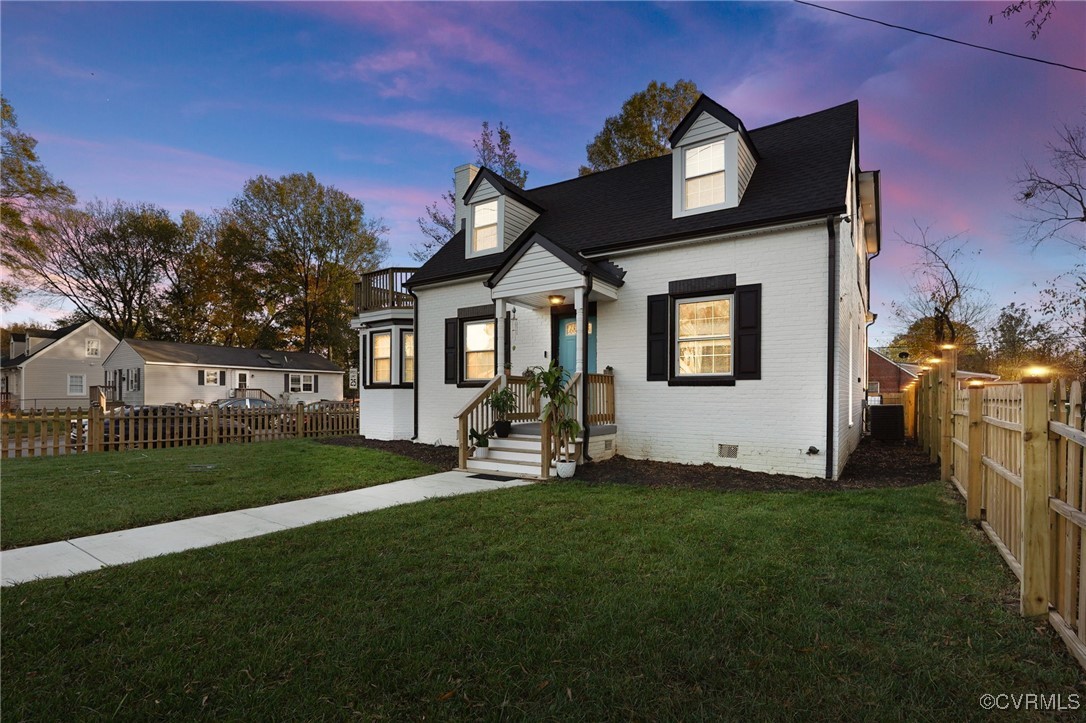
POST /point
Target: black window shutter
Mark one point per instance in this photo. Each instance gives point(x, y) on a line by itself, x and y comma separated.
point(200, 378)
point(656, 370)
point(316, 383)
point(748, 332)
point(222, 377)
point(286, 382)
point(508, 345)
point(452, 329)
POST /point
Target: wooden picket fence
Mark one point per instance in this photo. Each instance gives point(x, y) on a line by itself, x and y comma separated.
point(1016, 452)
point(51, 433)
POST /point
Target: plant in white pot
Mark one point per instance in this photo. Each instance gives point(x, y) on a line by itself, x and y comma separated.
point(481, 443)
point(559, 411)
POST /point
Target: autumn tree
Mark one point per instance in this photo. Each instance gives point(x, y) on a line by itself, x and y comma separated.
point(26, 189)
point(439, 223)
point(1055, 196)
point(942, 290)
point(642, 127)
point(106, 260)
point(1016, 340)
point(315, 241)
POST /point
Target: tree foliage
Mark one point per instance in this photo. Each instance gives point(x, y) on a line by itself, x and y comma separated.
point(943, 292)
point(439, 223)
point(107, 260)
point(1063, 306)
point(641, 128)
point(1016, 340)
point(315, 241)
point(1055, 197)
point(26, 190)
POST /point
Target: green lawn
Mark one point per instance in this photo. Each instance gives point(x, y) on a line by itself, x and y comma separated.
point(554, 601)
point(55, 498)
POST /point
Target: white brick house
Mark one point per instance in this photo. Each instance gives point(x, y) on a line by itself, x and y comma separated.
point(726, 286)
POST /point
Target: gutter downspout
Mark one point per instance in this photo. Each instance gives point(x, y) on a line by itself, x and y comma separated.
point(585, 433)
point(415, 385)
point(831, 344)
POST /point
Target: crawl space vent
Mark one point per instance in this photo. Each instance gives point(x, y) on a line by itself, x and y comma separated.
point(727, 451)
point(608, 445)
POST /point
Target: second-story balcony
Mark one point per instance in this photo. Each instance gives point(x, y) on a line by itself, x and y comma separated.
point(383, 289)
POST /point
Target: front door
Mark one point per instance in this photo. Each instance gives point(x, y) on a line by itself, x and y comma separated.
point(567, 343)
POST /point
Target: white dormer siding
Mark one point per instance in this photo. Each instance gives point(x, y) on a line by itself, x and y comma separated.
point(513, 218)
point(695, 164)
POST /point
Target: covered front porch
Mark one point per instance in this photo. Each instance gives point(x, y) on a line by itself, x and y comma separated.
point(545, 279)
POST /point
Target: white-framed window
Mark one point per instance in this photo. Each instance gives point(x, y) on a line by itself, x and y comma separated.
point(479, 350)
point(94, 348)
point(301, 382)
point(77, 385)
point(381, 358)
point(703, 336)
point(703, 175)
point(484, 231)
point(211, 377)
point(874, 387)
point(407, 343)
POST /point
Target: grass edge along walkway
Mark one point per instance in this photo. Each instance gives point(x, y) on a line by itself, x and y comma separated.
point(558, 601)
point(51, 499)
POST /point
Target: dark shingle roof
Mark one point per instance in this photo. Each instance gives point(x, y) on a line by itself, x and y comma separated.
point(803, 173)
point(177, 353)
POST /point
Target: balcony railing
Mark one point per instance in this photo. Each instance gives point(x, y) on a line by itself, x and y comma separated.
point(383, 289)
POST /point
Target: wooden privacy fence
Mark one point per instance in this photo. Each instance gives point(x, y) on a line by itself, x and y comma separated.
point(1016, 453)
point(56, 432)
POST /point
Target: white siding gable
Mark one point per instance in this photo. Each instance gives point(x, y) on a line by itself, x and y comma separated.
point(705, 128)
point(483, 192)
point(538, 271)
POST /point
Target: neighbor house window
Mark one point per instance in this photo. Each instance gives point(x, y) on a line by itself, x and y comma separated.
point(407, 342)
point(381, 354)
point(77, 385)
point(484, 232)
point(94, 348)
point(211, 377)
point(479, 357)
point(873, 387)
point(301, 382)
point(703, 336)
point(703, 175)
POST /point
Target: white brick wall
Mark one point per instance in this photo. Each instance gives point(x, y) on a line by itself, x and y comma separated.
point(386, 413)
point(773, 420)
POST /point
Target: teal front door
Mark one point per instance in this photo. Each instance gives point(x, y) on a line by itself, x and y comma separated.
point(567, 343)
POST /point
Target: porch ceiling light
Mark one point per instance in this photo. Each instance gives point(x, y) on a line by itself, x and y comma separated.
point(556, 299)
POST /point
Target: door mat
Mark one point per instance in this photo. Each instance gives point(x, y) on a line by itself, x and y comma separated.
point(491, 477)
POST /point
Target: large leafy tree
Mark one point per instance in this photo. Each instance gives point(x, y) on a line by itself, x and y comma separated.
point(106, 260)
point(641, 128)
point(439, 225)
point(314, 240)
point(1016, 340)
point(26, 189)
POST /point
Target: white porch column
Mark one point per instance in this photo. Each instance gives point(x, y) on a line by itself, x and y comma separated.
point(578, 303)
point(499, 334)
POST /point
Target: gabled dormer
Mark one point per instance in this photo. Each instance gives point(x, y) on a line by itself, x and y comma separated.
point(496, 213)
point(713, 159)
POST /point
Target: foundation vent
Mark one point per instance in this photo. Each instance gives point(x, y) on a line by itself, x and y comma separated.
point(608, 445)
point(727, 451)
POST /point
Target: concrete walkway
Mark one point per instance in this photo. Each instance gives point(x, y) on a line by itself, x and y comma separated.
point(83, 554)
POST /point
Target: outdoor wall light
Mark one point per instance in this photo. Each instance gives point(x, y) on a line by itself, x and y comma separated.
point(556, 299)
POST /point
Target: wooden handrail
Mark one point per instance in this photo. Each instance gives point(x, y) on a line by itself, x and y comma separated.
point(601, 399)
point(475, 414)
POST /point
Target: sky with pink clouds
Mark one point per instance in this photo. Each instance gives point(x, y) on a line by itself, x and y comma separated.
point(178, 104)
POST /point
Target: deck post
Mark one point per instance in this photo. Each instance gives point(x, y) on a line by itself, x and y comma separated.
point(948, 371)
point(499, 335)
point(1036, 544)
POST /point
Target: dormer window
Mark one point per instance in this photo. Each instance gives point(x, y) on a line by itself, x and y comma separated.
point(484, 231)
point(703, 175)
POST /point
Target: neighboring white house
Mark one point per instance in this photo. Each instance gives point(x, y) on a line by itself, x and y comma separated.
point(50, 369)
point(725, 284)
point(165, 372)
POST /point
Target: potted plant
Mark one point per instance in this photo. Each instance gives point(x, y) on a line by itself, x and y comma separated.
point(481, 443)
point(559, 410)
point(504, 403)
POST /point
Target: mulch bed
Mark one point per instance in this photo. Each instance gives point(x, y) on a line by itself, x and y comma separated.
point(874, 464)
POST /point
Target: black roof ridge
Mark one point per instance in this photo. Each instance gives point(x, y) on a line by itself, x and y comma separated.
point(854, 101)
